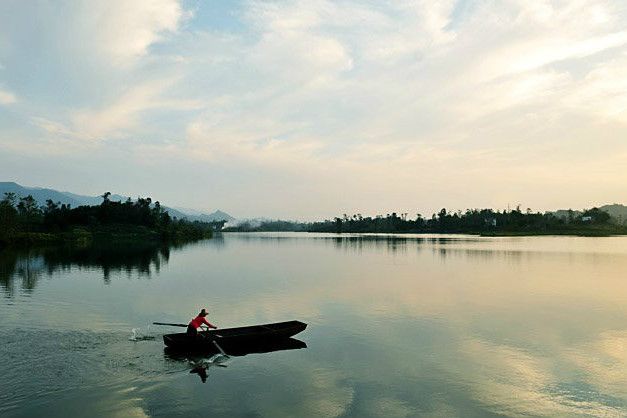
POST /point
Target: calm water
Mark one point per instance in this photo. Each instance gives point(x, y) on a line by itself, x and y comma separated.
point(407, 326)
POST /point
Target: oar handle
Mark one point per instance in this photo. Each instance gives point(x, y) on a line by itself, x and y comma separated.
point(171, 325)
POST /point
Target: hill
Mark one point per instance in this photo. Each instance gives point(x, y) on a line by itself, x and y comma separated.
point(42, 194)
point(617, 211)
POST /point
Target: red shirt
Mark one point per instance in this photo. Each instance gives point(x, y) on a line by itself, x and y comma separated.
point(198, 321)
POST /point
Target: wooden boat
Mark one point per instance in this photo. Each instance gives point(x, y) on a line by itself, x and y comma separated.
point(229, 336)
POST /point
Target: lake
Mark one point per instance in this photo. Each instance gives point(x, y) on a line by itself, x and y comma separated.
point(398, 326)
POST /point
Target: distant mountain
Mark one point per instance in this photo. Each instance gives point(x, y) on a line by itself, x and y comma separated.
point(218, 215)
point(43, 194)
point(94, 200)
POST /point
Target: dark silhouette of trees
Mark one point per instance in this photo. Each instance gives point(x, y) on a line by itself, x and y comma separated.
point(24, 216)
point(8, 217)
point(474, 221)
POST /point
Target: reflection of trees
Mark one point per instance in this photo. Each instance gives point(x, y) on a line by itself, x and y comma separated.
point(29, 265)
point(217, 242)
point(24, 267)
point(392, 243)
point(140, 258)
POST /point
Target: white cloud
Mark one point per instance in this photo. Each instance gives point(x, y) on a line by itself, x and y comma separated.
point(112, 33)
point(123, 31)
point(380, 70)
point(118, 118)
point(6, 97)
point(603, 91)
point(52, 127)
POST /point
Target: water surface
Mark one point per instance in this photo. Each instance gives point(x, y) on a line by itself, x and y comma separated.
point(398, 327)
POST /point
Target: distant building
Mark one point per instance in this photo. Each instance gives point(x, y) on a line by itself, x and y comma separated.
point(490, 221)
point(586, 219)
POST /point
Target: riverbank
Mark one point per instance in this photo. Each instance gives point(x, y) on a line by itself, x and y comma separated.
point(575, 232)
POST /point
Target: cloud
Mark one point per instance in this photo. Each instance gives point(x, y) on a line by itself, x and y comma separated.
point(373, 69)
point(113, 33)
point(117, 118)
point(144, 23)
point(52, 127)
point(603, 91)
point(122, 31)
point(120, 117)
point(7, 98)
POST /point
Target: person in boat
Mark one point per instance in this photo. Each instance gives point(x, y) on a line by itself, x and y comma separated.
point(192, 328)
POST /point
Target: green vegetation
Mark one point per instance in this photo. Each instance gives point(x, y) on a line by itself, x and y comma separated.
point(23, 221)
point(592, 222)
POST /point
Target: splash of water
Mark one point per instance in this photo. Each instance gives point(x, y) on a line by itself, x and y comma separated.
point(138, 335)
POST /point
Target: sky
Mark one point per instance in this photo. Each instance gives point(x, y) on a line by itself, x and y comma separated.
point(311, 109)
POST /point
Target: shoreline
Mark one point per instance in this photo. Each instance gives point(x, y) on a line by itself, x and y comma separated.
point(87, 237)
point(579, 233)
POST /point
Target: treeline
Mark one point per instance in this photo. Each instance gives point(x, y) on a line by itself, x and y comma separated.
point(475, 221)
point(22, 219)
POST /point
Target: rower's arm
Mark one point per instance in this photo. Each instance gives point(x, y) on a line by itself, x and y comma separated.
point(209, 324)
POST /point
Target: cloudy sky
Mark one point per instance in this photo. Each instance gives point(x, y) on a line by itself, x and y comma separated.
point(308, 109)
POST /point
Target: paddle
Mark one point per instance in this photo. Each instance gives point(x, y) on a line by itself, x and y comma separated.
point(171, 325)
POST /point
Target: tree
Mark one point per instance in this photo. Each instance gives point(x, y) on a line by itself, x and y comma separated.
point(338, 225)
point(10, 198)
point(51, 206)
point(27, 206)
point(598, 216)
point(8, 217)
point(29, 212)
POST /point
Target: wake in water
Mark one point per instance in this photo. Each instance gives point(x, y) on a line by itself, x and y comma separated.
point(201, 366)
point(139, 335)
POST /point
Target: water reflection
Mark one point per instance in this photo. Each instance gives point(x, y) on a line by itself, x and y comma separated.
point(28, 266)
point(220, 356)
point(357, 242)
point(403, 326)
point(444, 244)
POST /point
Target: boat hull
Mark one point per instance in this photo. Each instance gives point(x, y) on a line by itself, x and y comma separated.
point(206, 340)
